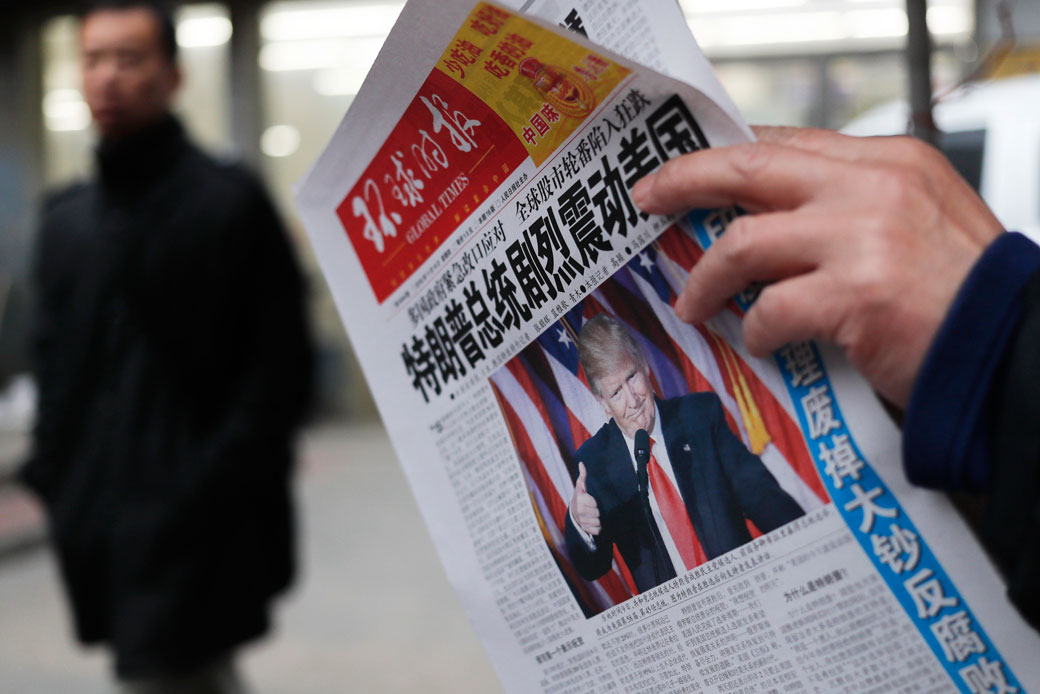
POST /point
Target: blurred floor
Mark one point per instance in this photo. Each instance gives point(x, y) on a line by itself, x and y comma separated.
point(372, 611)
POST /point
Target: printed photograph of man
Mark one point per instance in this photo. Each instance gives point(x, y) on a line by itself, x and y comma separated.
point(721, 427)
point(664, 481)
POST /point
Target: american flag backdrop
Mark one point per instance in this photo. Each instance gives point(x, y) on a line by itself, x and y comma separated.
point(550, 411)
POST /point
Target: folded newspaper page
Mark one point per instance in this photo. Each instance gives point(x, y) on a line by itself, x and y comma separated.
point(624, 502)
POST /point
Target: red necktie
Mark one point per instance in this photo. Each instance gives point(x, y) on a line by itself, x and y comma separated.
point(673, 510)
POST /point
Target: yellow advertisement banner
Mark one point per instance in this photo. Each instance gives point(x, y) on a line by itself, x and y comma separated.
point(1024, 60)
point(542, 85)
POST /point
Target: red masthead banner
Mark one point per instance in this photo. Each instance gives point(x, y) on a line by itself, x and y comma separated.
point(505, 89)
point(446, 156)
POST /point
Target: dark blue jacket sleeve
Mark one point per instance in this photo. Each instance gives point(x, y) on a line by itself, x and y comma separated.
point(973, 421)
point(946, 437)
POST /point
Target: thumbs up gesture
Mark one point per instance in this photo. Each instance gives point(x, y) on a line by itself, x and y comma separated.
point(583, 505)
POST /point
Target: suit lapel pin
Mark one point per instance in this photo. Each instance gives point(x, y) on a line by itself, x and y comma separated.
point(686, 447)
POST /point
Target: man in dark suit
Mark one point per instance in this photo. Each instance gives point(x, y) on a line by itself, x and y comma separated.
point(672, 500)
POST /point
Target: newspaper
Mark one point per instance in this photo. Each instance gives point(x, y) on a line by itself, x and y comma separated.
point(471, 215)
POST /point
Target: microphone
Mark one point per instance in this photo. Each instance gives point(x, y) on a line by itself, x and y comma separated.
point(642, 451)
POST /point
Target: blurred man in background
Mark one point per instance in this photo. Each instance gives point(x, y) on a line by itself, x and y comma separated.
point(174, 367)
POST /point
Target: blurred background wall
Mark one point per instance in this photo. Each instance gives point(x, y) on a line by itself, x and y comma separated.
point(268, 81)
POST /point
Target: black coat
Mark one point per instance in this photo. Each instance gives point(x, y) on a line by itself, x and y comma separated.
point(174, 366)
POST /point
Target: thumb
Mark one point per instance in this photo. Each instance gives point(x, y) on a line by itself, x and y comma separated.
point(580, 483)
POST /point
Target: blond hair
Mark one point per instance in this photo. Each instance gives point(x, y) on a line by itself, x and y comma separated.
point(602, 343)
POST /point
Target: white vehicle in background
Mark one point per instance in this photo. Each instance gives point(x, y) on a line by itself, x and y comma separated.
point(991, 134)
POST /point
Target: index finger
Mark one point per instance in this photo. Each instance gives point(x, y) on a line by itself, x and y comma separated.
point(816, 140)
point(890, 150)
point(757, 176)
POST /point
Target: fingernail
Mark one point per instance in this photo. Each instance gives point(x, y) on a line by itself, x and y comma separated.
point(681, 309)
point(684, 311)
point(641, 190)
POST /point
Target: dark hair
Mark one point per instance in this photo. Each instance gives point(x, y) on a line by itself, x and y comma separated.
point(162, 12)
